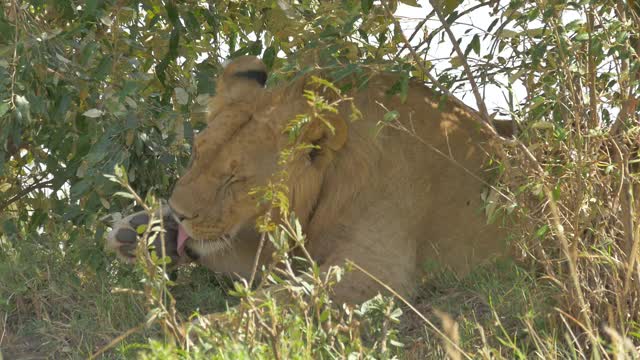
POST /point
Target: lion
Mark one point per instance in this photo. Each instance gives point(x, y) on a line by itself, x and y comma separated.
point(392, 199)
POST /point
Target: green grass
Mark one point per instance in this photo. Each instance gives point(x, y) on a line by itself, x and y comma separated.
point(55, 306)
point(498, 298)
point(72, 304)
point(62, 309)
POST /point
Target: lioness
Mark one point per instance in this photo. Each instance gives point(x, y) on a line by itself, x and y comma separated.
point(388, 200)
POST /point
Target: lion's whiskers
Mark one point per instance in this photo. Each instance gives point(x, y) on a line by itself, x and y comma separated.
point(226, 240)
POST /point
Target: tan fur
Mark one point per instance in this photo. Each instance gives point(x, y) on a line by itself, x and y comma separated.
point(384, 200)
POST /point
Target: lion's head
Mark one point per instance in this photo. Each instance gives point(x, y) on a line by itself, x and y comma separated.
point(239, 150)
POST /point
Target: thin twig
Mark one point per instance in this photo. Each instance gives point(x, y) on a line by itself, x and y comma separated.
point(591, 73)
point(24, 192)
point(407, 303)
point(172, 322)
point(415, 55)
point(632, 238)
point(137, 198)
point(4, 323)
point(256, 259)
point(473, 113)
point(463, 59)
point(563, 316)
point(630, 102)
point(115, 341)
point(437, 30)
point(14, 62)
point(150, 267)
point(633, 260)
point(415, 32)
point(401, 127)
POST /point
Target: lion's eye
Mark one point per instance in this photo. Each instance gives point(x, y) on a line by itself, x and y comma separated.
point(228, 184)
point(229, 179)
point(232, 179)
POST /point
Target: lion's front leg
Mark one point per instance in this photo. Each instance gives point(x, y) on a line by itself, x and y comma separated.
point(357, 287)
point(390, 263)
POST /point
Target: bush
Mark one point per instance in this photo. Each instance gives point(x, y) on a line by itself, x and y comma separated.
point(87, 86)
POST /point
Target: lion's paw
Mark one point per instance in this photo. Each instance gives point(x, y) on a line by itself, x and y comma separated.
point(123, 238)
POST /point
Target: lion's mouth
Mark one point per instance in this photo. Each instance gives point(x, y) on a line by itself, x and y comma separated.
point(222, 242)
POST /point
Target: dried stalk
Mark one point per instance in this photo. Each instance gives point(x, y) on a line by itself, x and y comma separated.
point(408, 304)
point(256, 259)
point(564, 243)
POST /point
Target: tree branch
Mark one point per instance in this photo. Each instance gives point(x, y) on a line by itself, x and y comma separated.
point(24, 192)
point(484, 121)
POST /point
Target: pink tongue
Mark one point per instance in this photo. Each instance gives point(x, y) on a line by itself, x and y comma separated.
point(182, 238)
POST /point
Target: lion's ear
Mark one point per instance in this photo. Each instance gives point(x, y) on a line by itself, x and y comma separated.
point(328, 133)
point(242, 80)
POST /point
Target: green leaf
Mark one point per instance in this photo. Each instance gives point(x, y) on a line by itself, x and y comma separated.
point(120, 172)
point(103, 68)
point(451, 5)
point(92, 113)
point(396, 343)
point(556, 193)
point(324, 316)
point(269, 56)
point(9, 227)
point(181, 96)
point(23, 108)
point(542, 125)
point(456, 61)
point(325, 83)
point(400, 87)
point(90, 7)
point(107, 20)
point(542, 231)
point(80, 188)
point(4, 107)
point(506, 33)
point(475, 44)
point(391, 116)
point(141, 229)
point(172, 13)
point(413, 3)
point(366, 5)
point(63, 106)
point(535, 33)
point(583, 36)
point(4, 187)
point(124, 195)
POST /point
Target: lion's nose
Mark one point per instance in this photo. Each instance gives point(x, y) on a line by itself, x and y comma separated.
point(180, 217)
